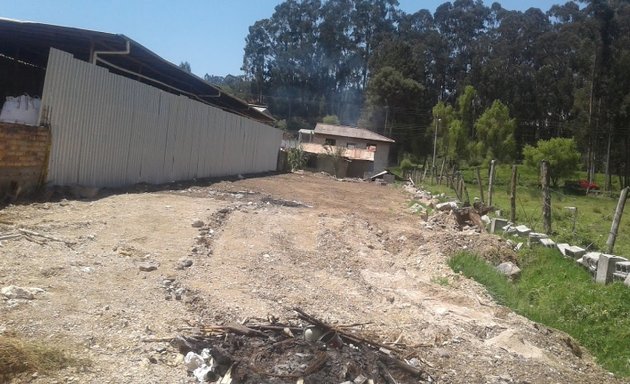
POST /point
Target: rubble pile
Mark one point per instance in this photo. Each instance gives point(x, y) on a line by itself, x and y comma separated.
point(306, 350)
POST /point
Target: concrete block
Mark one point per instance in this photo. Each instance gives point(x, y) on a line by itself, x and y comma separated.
point(590, 260)
point(547, 243)
point(606, 268)
point(627, 281)
point(534, 238)
point(562, 247)
point(622, 270)
point(497, 224)
point(575, 252)
point(523, 230)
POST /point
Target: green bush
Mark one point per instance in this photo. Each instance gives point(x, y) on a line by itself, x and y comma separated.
point(562, 155)
point(296, 158)
point(331, 119)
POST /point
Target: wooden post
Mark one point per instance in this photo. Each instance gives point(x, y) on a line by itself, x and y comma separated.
point(513, 195)
point(465, 194)
point(480, 184)
point(612, 236)
point(546, 208)
point(491, 183)
point(456, 185)
point(442, 171)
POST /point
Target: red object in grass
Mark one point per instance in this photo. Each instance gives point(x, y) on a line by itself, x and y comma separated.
point(584, 184)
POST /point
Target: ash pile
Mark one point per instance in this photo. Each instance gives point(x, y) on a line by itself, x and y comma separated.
point(304, 350)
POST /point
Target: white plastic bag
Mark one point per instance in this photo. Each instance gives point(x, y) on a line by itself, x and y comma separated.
point(21, 110)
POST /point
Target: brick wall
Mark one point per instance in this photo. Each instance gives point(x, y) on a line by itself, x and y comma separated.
point(23, 157)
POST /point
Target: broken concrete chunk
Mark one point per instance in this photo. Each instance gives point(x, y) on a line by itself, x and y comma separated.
point(518, 247)
point(509, 269)
point(197, 223)
point(627, 281)
point(15, 292)
point(148, 266)
point(523, 230)
point(446, 206)
point(562, 247)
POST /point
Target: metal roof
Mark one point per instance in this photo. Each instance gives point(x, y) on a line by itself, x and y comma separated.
point(345, 131)
point(30, 42)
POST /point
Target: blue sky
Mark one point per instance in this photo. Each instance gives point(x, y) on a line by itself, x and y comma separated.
point(209, 34)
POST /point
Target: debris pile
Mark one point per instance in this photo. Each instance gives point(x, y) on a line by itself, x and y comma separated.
point(306, 350)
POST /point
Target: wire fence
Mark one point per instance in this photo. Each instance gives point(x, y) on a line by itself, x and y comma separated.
point(577, 217)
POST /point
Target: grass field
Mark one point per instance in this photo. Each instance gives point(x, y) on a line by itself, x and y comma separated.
point(559, 293)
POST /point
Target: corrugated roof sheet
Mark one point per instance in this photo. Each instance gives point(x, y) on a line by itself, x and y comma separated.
point(31, 43)
point(345, 131)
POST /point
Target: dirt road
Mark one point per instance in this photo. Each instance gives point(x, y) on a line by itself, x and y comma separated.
point(351, 252)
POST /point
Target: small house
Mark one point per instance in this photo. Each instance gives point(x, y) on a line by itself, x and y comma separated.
point(362, 151)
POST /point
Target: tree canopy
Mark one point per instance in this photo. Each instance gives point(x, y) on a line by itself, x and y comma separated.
point(560, 72)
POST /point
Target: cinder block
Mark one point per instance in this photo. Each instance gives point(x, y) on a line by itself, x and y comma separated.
point(590, 260)
point(622, 270)
point(575, 252)
point(547, 243)
point(497, 224)
point(606, 268)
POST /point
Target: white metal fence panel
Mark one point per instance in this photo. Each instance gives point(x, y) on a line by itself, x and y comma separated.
point(108, 130)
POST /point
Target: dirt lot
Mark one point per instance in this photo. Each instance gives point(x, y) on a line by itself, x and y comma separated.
point(352, 254)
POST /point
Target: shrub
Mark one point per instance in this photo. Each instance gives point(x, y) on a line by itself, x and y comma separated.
point(296, 158)
point(561, 153)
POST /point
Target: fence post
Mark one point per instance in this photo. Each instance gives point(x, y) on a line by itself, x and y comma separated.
point(513, 194)
point(491, 183)
point(465, 194)
point(612, 236)
point(544, 177)
point(456, 185)
point(480, 185)
point(441, 171)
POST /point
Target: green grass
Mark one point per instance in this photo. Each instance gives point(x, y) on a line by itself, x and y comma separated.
point(558, 293)
point(594, 212)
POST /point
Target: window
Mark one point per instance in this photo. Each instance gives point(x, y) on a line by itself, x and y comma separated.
point(330, 142)
point(351, 145)
point(371, 147)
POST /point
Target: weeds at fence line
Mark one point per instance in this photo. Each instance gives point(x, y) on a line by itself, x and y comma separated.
point(595, 211)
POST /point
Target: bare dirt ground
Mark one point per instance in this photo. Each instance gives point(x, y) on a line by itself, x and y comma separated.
point(354, 254)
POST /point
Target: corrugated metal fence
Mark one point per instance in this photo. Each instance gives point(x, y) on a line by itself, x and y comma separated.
point(108, 130)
